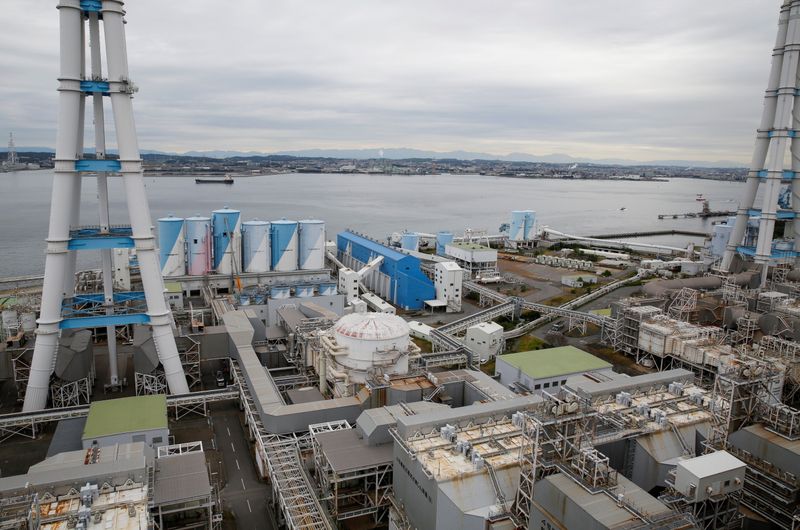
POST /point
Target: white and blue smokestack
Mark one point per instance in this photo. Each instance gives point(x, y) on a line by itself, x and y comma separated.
point(171, 246)
point(226, 226)
point(255, 246)
point(312, 244)
point(284, 245)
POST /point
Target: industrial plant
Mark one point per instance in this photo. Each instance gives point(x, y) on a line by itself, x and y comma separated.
point(422, 380)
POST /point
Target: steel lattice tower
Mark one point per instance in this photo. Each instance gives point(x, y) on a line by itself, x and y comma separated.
point(61, 308)
point(777, 134)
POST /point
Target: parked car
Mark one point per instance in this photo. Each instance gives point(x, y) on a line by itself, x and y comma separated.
point(221, 382)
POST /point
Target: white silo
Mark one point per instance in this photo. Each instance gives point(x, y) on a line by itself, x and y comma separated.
point(283, 240)
point(226, 225)
point(516, 231)
point(372, 339)
point(312, 244)
point(530, 223)
point(255, 246)
point(198, 242)
point(171, 246)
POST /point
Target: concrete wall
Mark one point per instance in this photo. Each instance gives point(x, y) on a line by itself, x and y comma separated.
point(153, 438)
point(416, 492)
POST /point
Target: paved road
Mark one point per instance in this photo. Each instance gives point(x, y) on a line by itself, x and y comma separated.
point(244, 493)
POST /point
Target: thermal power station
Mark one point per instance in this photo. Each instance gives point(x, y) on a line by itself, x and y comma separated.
point(776, 137)
point(226, 226)
point(58, 309)
point(255, 246)
point(284, 245)
point(198, 245)
point(312, 244)
point(442, 240)
point(522, 225)
point(172, 246)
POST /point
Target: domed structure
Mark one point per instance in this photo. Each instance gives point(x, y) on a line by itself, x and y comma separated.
point(367, 341)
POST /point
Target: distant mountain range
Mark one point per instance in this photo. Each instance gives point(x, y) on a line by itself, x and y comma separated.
point(406, 153)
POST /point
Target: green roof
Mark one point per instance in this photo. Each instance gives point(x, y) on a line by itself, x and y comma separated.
point(124, 415)
point(470, 246)
point(542, 364)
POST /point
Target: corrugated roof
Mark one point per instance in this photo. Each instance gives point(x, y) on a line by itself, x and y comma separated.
point(181, 478)
point(345, 451)
point(541, 364)
point(711, 464)
point(593, 390)
point(381, 250)
point(123, 415)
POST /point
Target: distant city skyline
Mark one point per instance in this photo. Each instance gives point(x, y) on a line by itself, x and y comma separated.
point(611, 79)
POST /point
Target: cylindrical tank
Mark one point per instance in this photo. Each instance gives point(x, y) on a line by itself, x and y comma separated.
point(280, 293)
point(27, 321)
point(255, 246)
point(327, 289)
point(372, 339)
point(172, 246)
point(530, 222)
point(410, 241)
point(516, 230)
point(304, 291)
point(312, 244)
point(284, 245)
point(443, 239)
point(198, 242)
point(226, 226)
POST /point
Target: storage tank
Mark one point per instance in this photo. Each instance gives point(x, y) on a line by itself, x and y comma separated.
point(172, 246)
point(27, 321)
point(530, 223)
point(284, 245)
point(327, 289)
point(226, 226)
point(516, 230)
point(280, 293)
point(372, 339)
point(198, 243)
point(443, 239)
point(312, 244)
point(255, 246)
point(410, 241)
point(304, 291)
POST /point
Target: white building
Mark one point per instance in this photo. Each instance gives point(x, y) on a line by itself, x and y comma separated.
point(578, 280)
point(472, 257)
point(485, 339)
point(448, 279)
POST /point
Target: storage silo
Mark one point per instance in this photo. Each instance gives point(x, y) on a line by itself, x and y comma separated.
point(226, 226)
point(410, 241)
point(443, 239)
point(327, 289)
point(280, 293)
point(304, 291)
point(516, 230)
point(172, 246)
point(312, 244)
point(530, 223)
point(198, 242)
point(255, 246)
point(283, 241)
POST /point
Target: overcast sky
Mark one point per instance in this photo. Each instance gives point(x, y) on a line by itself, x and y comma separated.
point(645, 80)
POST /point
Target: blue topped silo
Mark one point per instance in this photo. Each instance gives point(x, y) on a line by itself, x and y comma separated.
point(255, 246)
point(312, 244)
point(442, 240)
point(516, 231)
point(171, 246)
point(280, 293)
point(226, 226)
point(327, 289)
point(410, 241)
point(304, 291)
point(530, 222)
point(198, 244)
point(283, 238)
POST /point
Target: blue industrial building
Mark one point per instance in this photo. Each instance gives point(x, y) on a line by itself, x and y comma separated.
point(408, 285)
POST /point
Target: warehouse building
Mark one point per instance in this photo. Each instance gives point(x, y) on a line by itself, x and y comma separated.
point(399, 278)
point(534, 371)
point(126, 420)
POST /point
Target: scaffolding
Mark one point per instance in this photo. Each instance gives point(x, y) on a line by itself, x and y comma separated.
point(71, 394)
point(189, 353)
point(356, 492)
point(684, 305)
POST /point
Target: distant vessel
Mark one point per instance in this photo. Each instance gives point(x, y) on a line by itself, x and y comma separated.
point(226, 180)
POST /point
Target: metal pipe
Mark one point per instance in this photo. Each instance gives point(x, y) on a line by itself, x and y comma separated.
point(121, 103)
point(762, 138)
point(102, 195)
point(61, 211)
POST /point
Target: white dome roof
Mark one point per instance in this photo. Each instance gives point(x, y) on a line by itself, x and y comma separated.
point(372, 326)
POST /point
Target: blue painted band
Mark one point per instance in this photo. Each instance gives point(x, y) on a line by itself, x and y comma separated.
point(93, 87)
point(91, 6)
point(98, 243)
point(99, 298)
point(90, 165)
point(790, 133)
point(102, 321)
point(780, 214)
point(776, 254)
point(787, 174)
